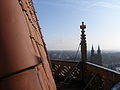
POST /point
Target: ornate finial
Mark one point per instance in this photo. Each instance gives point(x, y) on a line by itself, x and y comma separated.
point(82, 26)
point(83, 43)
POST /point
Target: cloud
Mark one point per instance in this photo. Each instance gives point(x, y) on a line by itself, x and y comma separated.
point(81, 5)
point(106, 5)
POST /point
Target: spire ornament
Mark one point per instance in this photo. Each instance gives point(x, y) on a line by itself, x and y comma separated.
point(83, 43)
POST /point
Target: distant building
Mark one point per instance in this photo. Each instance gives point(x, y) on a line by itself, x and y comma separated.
point(96, 58)
point(118, 69)
point(114, 67)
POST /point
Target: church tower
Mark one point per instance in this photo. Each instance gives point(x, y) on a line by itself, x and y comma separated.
point(96, 58)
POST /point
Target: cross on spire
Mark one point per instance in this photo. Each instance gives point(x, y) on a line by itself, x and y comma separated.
point(82, 26)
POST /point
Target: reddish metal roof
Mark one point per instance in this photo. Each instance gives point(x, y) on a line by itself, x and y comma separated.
point(21, 47)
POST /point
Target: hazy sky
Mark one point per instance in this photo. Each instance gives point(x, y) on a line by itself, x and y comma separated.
point(60, 20)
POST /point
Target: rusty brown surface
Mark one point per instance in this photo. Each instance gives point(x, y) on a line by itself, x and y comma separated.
point(48, 83)
point(16, 51)
point(27, 80)
point(22, 46)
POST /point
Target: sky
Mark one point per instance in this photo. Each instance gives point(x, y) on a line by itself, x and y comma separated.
point(60, 21)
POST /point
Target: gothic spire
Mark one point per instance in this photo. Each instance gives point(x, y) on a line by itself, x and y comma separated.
point(92, 47)
point(98, 51)
point(98, 47)
point(92, 50)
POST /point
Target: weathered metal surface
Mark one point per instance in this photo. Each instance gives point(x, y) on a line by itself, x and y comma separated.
point(36, 36)
point(16, 50)
point(27, 80)
point(44, 79)
point(22, 45)
point(96, 77)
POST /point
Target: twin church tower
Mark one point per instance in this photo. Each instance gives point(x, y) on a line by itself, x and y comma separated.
point(96, 58)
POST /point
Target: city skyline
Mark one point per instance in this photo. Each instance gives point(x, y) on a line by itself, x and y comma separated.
point(60, 21)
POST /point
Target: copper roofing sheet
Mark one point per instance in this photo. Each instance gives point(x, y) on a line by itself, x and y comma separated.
point(27, 80)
